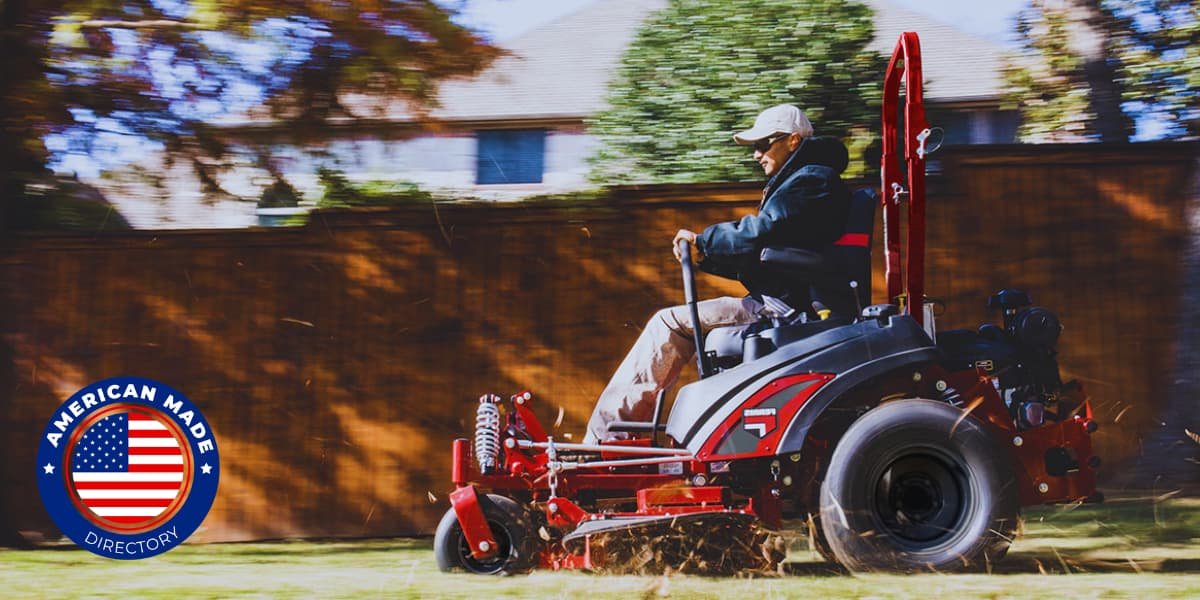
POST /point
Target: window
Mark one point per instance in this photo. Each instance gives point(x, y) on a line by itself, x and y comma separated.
point(956, 125)
point(1004, 126)
point(510, 156)
point(976, 126)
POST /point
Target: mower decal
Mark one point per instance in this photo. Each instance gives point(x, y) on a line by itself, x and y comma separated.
point(754, 430)
point(760, 421)
point(812, 347)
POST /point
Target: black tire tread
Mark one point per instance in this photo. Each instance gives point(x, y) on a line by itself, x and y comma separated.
point(849, 530)
point(498, 510)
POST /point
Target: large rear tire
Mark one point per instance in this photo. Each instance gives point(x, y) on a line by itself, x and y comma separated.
point(513, 528)
point(916, 485)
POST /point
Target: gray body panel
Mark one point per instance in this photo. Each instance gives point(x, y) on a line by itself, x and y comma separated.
point(853, 353)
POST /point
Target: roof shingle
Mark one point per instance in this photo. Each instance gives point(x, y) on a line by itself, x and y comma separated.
point(561, 70)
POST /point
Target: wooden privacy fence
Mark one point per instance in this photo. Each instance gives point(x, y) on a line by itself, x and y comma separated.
point(336, 362)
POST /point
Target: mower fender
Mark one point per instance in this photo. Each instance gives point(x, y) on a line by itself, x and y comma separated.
point(797, 429)
point(701, 408)
point(474, 523)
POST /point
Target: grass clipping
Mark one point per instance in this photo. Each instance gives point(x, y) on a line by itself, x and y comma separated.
point(708, 545)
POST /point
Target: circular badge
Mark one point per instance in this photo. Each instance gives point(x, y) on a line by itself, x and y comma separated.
point(128, 468)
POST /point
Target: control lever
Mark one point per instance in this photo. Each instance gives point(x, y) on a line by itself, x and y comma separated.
point(857, 300)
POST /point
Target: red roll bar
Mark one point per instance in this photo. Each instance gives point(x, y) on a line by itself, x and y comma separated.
point(904, 285)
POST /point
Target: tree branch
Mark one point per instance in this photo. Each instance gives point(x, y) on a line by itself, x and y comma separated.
point(151, 24)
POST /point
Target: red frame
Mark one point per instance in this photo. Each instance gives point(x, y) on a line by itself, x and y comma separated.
point(525, 473)
point(473, 522)
point(908, 287)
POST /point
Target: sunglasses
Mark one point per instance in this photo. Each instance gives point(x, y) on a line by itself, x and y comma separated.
point(765, 144)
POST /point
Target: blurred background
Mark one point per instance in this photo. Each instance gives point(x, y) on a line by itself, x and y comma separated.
point(334, 225)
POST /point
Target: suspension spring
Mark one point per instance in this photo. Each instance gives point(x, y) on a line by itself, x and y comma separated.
point(487, 432)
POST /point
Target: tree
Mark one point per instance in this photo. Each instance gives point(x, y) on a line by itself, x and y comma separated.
point(1088, 66)
point(164, 69)
point(1161, 52)
point(1069, 90)
point(700, 70)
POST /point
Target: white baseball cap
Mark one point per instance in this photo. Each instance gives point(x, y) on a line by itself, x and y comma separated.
point(781, 118)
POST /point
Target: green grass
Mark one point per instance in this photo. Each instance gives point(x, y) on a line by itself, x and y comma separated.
point(1126, 548)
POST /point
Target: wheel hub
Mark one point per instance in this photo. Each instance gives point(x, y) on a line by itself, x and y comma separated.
point(917, 496)
point(919, 499)
point(494, 563)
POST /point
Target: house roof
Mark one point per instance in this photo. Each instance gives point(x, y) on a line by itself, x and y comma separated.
point(560, 71)
point(958, 66)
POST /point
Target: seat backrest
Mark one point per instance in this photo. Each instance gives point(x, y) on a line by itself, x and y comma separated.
point(861, 219)
point(850, 258)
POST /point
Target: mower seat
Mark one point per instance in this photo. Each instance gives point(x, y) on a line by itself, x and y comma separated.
point(829, 273)
point(830, 270)
point(729, 347)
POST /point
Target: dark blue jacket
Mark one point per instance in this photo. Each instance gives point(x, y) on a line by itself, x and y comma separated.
point(805, 205)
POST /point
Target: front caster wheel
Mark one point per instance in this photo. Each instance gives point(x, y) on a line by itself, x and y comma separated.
point(512, 527)
point(916, 485)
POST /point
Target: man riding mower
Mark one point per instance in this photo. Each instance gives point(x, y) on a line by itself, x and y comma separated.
point(903, 450)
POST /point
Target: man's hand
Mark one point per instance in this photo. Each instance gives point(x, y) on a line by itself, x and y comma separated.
point(691, 240)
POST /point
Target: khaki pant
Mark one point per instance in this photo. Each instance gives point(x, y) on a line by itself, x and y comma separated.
point(656, 359)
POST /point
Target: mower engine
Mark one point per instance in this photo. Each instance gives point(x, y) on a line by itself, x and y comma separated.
point(1021, 358)
point(1033, 384)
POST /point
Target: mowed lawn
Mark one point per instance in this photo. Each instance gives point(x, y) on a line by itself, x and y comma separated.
point(1142, 548)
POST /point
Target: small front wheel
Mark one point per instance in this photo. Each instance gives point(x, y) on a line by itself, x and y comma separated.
point(511, 525)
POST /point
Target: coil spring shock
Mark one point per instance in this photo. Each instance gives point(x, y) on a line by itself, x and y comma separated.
point(487, 432)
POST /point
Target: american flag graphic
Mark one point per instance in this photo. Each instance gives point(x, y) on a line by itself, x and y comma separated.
point(127, 468)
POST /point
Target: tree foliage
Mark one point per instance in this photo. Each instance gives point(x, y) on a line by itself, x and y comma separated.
point(1161, 54)
point(164, 70)
point(700, 70)
point(340, 192)
point(1088, 67)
